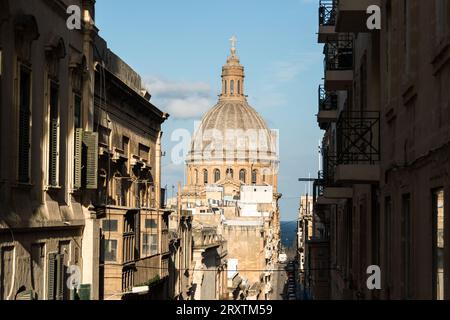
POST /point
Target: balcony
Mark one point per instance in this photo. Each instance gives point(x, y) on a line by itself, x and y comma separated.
point(338, 63)
point(352, 15)
point(327, 21)
point(328, 105)
point(358, 147)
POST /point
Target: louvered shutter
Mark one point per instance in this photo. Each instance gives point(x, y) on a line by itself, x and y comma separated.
point(53, 153)
point(51, 281)
point(24, 128)
point(90, 141)
point(60, 277)
point(78, 149)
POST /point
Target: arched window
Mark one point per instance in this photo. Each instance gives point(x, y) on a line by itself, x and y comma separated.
point(254, 176)
point(216, 175)
point(195, 176)
point(229, 173)
point(239, 87)
point(205, 176)
point(232, 87)
point(242, 175)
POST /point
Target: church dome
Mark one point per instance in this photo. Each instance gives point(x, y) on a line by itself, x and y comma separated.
point(232, 130)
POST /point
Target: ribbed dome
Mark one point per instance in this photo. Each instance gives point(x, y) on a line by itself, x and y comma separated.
point(233, 130)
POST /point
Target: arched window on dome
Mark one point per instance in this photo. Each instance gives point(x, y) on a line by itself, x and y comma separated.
point(239, 87)
point(254, 176)
point(242, 175)
point(205, 176)
point(216, 175)
point(232, 87)
point(230, 173)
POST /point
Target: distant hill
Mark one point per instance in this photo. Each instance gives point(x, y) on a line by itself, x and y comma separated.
point(288, 233)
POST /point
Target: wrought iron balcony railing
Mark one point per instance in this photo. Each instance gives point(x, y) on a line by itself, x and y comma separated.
point(339, 53)
point(358, 137)
point(327, 12)
point(328, 100)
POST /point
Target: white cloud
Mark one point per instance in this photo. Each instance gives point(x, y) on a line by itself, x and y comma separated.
point(182, 99)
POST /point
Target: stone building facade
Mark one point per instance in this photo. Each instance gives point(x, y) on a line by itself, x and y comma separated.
point(69, 187)
point(383, 189)
point(134, 222)
point(46, 76)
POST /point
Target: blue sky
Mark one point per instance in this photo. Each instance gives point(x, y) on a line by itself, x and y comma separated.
point(179, 47)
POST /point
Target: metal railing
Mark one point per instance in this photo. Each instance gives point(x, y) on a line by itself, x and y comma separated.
point(328, 100)
point(327, 12)
point(339, 53)
point(358, 137)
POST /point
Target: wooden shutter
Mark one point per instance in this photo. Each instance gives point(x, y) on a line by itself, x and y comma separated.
point(53, 153)
point(60, 283)
point(78, 149)
point(24, 127)
point(90, 141)
point(51, 281)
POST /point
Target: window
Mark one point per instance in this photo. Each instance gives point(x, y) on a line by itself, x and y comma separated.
point(242, 175)
point(144, 152)
point(149, 244)
point(196, 177)
point(406, 245)
point(230, 173)
point(109, 225)
point(225, 87)
point(205, 176)
point(110, 250)
point(103, 136)
point(53, 153)
point(78, 123)
point(407, 33)
point(126, 146)
point(24, 125)
point(441, 19)
point(232, 87)
point(216, 175)
point(438, 243)
point(239, 87)
point(151, 224)
point(254, 176)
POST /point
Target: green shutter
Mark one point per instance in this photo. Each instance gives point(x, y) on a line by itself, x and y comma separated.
point(78, 149)
point(51, 281)
point(90, 141)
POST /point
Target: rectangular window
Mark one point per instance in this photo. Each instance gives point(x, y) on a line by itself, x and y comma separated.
point(103, 136)
point(406, 245)
point(149, 244)
point(109, 226)
point(144, 152)
point(24, 125)
point(441, 19)
point(53, 171)
point(438, 243)
point(110, 250)
point(126, 146)
point(78, 123)
point(151, 224)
